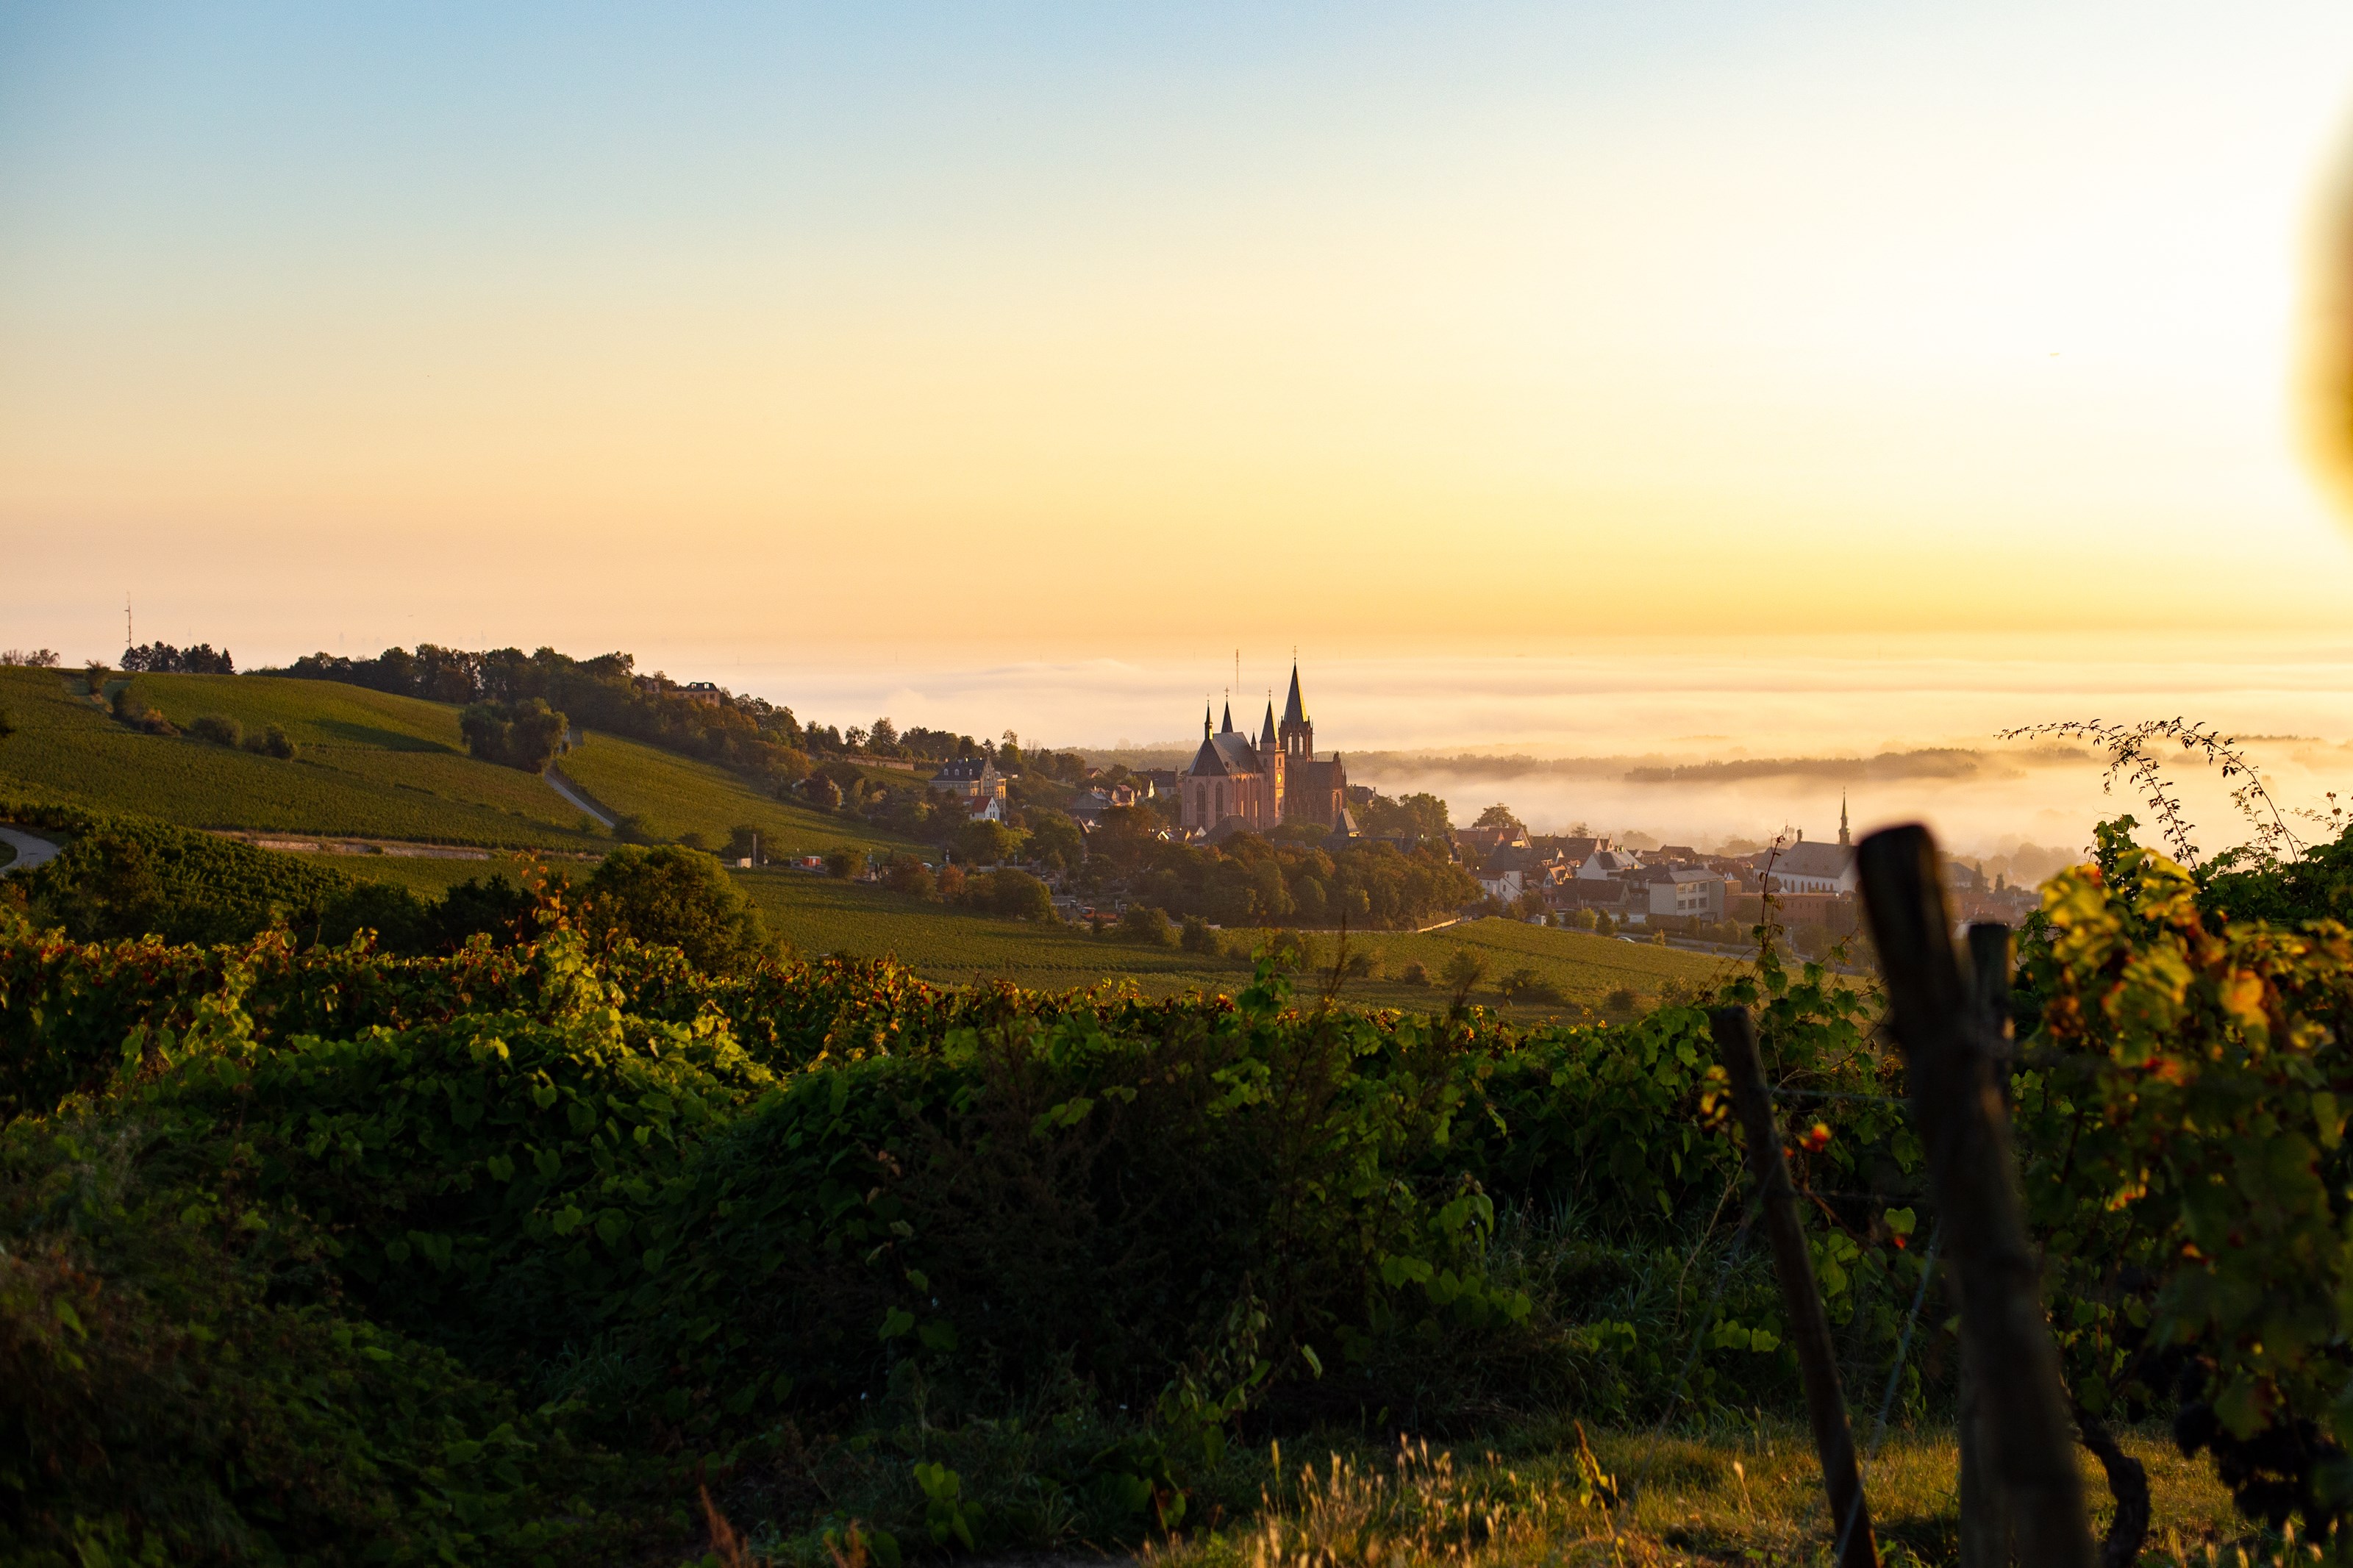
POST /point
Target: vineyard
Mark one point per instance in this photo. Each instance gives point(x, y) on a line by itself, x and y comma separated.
point(523, 1253)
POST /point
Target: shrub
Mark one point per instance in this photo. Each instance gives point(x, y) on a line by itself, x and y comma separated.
point(905, 874)
point(821, 792)
point(132, 710)
point(678, 897)
point(402, 922)
point(1150, 926)
point(217, 729)
point(1197, 936)
point(1413, 974)
point(844, 861)
point(1524, 984)
point(1622, 1001)
point(629, 828)
point(273, 741)
point(1463, 973)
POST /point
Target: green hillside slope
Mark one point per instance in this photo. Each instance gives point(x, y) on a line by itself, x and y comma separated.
point(367, 764)
point(673, 796)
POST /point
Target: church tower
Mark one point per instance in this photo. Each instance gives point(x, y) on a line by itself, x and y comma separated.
point(1298, 730)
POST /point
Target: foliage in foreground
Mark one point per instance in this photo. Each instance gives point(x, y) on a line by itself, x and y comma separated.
point(618, 1225)
point(308, 1252)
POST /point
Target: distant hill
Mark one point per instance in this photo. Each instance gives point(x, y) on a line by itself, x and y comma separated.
point(366, 764)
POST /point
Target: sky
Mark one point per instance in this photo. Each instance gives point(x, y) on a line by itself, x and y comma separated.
point(1750, 354)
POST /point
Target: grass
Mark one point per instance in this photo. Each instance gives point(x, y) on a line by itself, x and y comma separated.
point(428, 877)
point(675, 795)
point(819, 915)
point(1743, 1493)
point(367, 764)
point(1585, 969)
point(950, 946)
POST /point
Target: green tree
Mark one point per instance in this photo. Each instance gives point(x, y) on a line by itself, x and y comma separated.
point(1499, 816)
point(678, 898)
point(987, 843)
point(905, 874)
point(525, 734)
point(1148, 925)
point(844, 861)
point(1018, 895)
point(1054, 839)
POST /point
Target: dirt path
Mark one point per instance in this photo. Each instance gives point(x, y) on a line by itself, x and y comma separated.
point(578, 797)
point(30, 851)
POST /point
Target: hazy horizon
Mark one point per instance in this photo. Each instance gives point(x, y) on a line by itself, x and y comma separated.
point(1698, 381)
point(1054, 332)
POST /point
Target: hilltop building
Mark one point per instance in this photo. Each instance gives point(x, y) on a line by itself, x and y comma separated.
point(1235, 784)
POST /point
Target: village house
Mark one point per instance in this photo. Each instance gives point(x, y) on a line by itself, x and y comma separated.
point(973, 779)
point(1607, 865)
point(1684, 890)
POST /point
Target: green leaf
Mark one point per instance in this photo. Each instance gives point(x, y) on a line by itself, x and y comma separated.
point(897, 1321)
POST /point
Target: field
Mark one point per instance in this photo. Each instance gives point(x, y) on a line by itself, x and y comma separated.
point(674, 796)
point(954, 947)
point(820, 915)
point(367, 764)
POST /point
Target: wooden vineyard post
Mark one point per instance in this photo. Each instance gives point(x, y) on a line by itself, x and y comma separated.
point(1936, 1016)
point(1985, 1507)
point(1810, 1326)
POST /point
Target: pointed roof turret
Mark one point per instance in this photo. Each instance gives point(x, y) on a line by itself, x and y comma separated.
point(1266, 730)
point(1227, 727)
point(1204, 720)
point(1294, 711)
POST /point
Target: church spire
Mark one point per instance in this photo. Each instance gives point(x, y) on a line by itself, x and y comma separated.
point(1294, 711)
point(1266, 730)
point(1204, 720)
point(1227, 727)
point(1842, 834)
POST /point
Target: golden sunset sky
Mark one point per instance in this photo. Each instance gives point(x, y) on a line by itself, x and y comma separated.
point(767, 333)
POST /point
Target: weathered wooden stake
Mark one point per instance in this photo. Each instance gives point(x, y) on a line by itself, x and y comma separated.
point(1809, 1327)
point(1985, 1508)
point(1973, 1177)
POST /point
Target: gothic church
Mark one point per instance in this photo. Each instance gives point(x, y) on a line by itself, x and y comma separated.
point(1261, 787)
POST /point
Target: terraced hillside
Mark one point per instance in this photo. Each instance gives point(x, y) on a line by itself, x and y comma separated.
point(366, 764)
point(673, 796)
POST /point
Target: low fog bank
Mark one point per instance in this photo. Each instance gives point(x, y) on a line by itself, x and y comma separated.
point(2021, 810)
